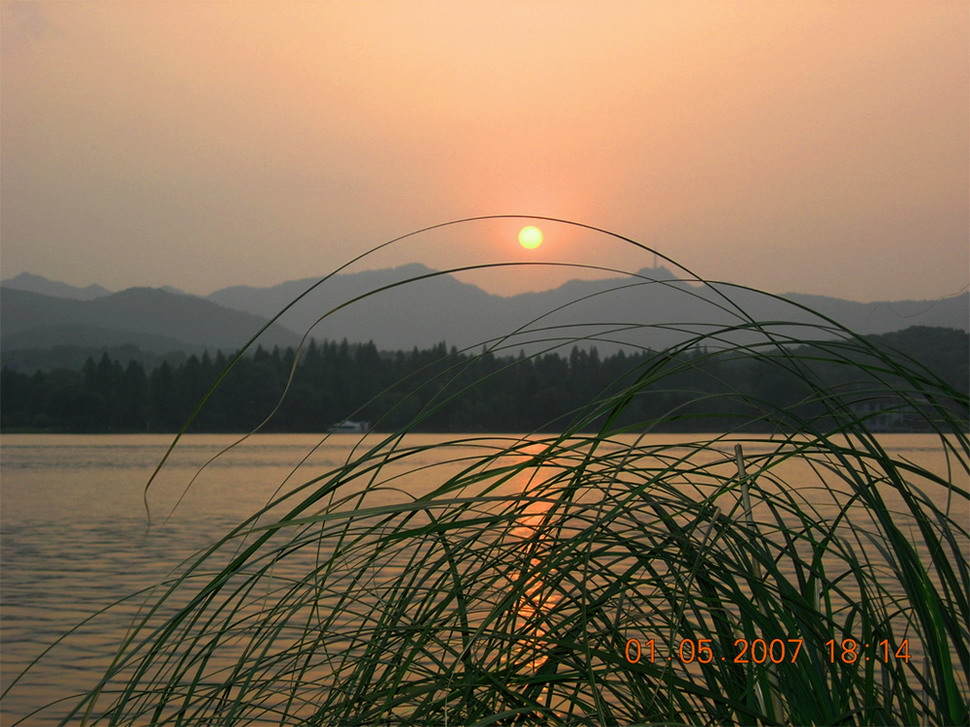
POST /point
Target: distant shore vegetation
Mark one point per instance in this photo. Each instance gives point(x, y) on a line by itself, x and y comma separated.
point(474, 391)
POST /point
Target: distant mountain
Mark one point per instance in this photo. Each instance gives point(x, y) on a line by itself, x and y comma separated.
point(84, 335)
point(888, 316)
point(422, 313)
point(651, 309)
point(173, 291)
point(152, 319)
point(39, 284)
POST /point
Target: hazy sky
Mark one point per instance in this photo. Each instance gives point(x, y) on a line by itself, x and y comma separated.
point(819, 147)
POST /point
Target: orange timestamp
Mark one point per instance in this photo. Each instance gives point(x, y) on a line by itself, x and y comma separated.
point(764, 651)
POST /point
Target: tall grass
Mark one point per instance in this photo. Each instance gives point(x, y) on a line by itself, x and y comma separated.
point(581, 578)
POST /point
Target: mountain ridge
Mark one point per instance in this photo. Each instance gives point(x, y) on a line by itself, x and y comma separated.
point(651, 308)
point(39, 284)
point(151, 317)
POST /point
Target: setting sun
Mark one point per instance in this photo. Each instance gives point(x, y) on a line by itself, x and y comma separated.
point(530, 237)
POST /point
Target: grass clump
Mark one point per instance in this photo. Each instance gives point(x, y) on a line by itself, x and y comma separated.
point(603, 575)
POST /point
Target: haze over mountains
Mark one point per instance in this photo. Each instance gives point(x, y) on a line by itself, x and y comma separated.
point(149, 319)
point(37, 314)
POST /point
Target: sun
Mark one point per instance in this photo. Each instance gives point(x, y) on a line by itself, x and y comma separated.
point(530, 237)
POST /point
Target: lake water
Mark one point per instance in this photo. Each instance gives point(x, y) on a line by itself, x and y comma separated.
point(73, 535)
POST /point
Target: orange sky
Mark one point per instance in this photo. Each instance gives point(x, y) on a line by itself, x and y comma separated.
point(819, 147)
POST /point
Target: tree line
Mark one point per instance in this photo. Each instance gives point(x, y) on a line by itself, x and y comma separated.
point(443, 390)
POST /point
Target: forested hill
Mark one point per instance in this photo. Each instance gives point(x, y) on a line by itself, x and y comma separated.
point(335, 381)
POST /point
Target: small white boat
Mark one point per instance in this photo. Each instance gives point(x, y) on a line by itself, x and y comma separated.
point(349, 427)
